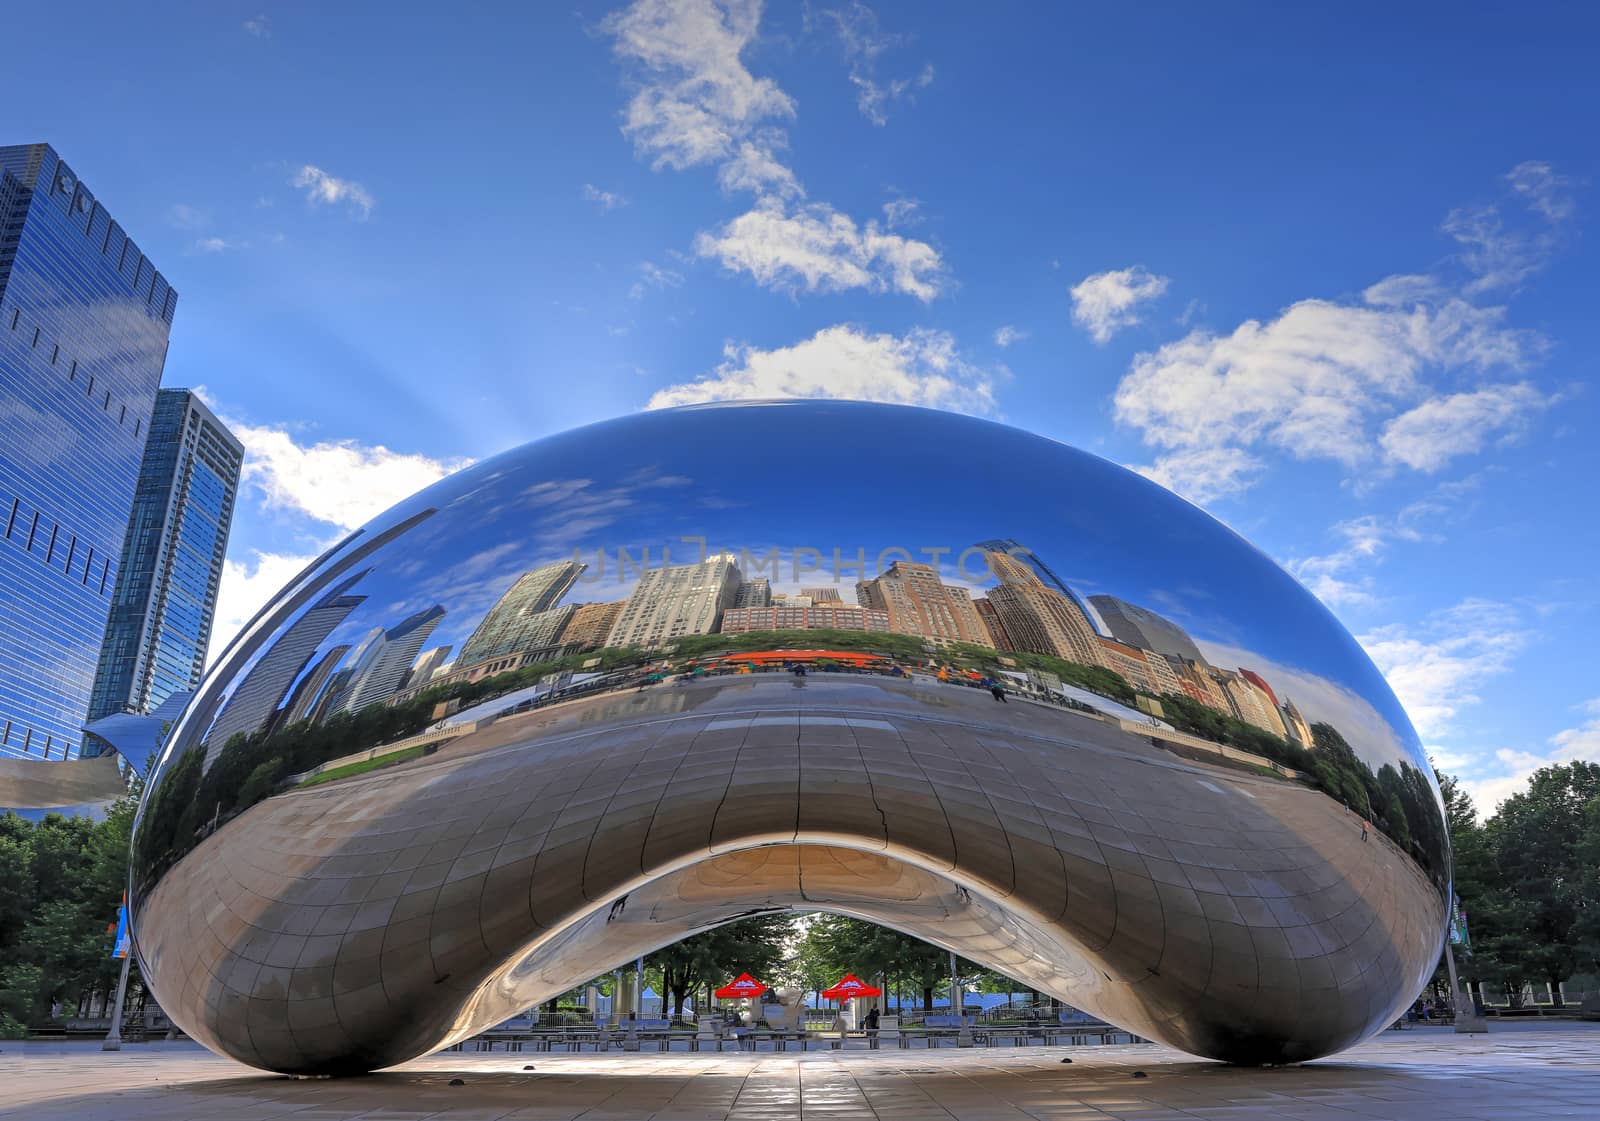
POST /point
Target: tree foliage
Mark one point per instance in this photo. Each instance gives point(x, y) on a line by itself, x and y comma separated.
point(1528, 880)
point(61, 881)
point(755, 946)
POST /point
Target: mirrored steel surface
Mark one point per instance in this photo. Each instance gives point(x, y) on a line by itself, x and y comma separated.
point(549, 714)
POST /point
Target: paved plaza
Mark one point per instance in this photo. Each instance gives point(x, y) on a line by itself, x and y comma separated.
point(1418, 1075)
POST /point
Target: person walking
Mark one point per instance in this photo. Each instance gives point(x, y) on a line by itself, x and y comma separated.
point(1365, 826)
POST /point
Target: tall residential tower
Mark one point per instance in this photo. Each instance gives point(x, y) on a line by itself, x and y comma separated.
point(166, 593)
point(84, 319)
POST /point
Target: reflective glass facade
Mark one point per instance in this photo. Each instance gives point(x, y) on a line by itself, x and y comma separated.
point(166, 593)
point(84, 320)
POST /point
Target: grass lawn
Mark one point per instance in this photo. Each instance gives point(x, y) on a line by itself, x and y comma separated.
point(364, 766)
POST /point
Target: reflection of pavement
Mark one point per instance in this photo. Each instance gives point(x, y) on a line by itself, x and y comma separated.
point(1226, 913)
point(1403, 1076)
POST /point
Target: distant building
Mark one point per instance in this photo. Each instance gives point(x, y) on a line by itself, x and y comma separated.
point(590, 624)
point(1138, 626)
point(254, 700)
point(918, 602)
point(668, 603)
point(84, 320)
point(827, 616)
point(754, 593)
point(1037, 618)
point(822, 595)
point(524, 618)
point(171, 565)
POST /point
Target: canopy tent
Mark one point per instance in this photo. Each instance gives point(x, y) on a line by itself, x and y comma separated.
point(742, 986)
point(851, 986)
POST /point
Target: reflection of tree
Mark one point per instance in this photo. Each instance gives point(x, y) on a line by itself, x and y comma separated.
point(191, 800)
point(1397, 801)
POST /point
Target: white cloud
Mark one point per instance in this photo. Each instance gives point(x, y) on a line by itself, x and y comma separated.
point(1545, 192)
point(1436, 431)
point(606, 200)
point(1104, 303)
point(697, 104)
point(901, 212)
point(259, 27)
point(922, 367)
point(320, 187)
point(817, 248)
point(1203, 475)
point(1311, 381)
point(863, 43)
point(755, 167)
point(186, 217)
point(696, 100)
point(1436, 666)
point(652, 275)
point(245, 588)
point(1580, 742)
point(219, 245)
point(340, 482)
point(1328, 576)
point(1498, 257)
point(1009, 335)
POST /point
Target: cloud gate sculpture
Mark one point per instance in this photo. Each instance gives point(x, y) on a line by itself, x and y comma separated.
point(623, 684)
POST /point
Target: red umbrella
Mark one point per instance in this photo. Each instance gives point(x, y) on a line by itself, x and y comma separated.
point(744, 985)
point(851, 986)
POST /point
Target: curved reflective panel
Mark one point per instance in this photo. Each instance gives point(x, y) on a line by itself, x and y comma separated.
point(628, 682)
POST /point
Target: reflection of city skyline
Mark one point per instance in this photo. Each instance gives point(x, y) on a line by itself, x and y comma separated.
point(1027, 610)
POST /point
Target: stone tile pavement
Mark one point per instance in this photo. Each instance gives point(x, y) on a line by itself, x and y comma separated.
point(1418, 1075)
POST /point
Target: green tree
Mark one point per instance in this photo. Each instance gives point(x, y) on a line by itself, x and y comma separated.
point(755, 946)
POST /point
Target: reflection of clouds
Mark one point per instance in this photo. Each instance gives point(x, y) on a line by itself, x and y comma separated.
point(513, 526)
point(1321, 701)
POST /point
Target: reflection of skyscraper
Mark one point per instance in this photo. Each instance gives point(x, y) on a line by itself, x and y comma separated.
point(1251, 703)
point(1138, 626)
point(991, 621)
point(82, 342)
point(918, 602)
point(1296, 724)
point(521, 619)
point(389, 658)
point(825, 616)
point(1145, 670)
point(171, 564)
point(1198, 683)
point(302, 702)
point(1037, 618)
point(258, 693)
point(425, 667)
point(590, 624)
point(667, 603)
point(754, 593)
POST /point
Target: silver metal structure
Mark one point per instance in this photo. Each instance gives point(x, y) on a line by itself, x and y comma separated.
point(788, 656)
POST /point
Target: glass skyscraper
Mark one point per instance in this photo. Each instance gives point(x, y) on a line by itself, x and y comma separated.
point(171, 565)
point(84, 319)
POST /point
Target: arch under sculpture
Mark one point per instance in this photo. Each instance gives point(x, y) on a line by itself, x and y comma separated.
point(703, 663)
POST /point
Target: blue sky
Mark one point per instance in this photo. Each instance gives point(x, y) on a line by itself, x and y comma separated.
point(1325, 273)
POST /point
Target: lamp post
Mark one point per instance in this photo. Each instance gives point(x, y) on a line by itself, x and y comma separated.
point(113, 1040)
